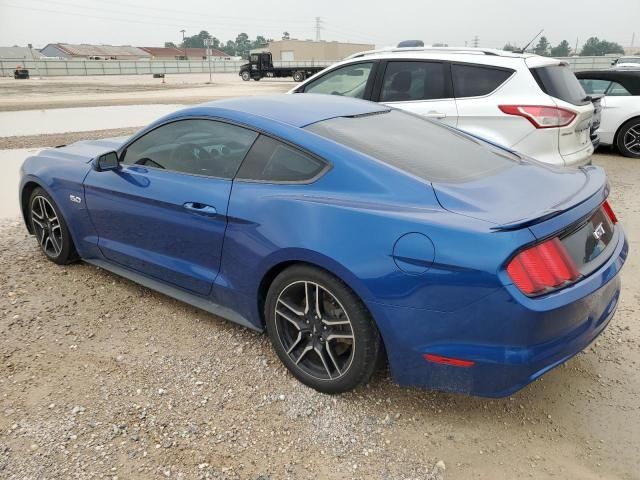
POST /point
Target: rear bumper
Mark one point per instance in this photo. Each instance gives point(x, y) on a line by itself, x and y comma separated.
point(511, 338)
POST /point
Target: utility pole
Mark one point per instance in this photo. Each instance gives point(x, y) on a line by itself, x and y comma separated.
point(38, 62)
point(208, 42)
point(184, 44)
point(633, 39)
point(575, 50)
point(475, 42)
point(318, 28)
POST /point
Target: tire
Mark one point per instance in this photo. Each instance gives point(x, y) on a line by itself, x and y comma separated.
point(298, 76)
point(628, 138)
point(333, 352)
point(246, 76)
point(50, 228)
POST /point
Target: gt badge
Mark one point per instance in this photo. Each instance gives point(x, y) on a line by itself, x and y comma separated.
point(598, 232)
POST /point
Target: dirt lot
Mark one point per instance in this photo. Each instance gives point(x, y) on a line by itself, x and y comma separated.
point(58, 92)
point(101, 378)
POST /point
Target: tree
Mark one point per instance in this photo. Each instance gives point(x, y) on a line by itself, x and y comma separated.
point(542, 48)
point(286, 36)
point(561, 50)
point(230, 48)
point(510, 48)
point(169, 45)
point(196, 41)
point(259, 42)
point(243, 45)
point(596, 47)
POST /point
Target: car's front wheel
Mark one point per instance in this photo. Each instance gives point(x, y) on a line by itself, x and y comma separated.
point(298, 76)
point(628, 140)
point(50, 229)
point(321, 330)
point(246, 76)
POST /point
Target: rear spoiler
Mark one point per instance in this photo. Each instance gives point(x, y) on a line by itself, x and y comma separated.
point(597, 192)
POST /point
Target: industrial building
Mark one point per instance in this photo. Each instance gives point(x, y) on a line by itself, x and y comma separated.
point(177, 53)
point(94, 52)
point(19, 52)
point(303, 50)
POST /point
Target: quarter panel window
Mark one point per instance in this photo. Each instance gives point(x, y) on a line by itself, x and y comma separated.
point(405, 81)
point(476, 80)
point(272, 161)
point(594, 86)
point(197, 147)
point(348, 81)
point(617, 90)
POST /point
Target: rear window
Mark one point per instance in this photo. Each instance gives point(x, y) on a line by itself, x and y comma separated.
point(560, 82)
point(475, 80)
point(423, 148)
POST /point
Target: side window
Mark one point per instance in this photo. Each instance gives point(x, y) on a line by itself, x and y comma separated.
point(405, 81)
point(617, 90)
point(594, 86)
point(272, 161)
point(476, 80)
point(199, 147)
point(349, 81)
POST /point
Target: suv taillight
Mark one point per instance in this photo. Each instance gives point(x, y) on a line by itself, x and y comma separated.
point(541, 116)
point(542, 267)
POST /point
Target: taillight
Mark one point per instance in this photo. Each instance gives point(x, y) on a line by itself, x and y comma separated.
point(543, 267)
point(541, 116)
point(609, 211)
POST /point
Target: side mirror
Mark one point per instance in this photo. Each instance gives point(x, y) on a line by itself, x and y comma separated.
point(108, 161)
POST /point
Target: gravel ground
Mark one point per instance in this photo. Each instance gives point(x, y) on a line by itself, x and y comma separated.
point(101, 378)
point(55, 139)
point(188, 89)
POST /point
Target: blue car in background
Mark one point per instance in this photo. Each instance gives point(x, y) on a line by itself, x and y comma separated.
point(351, 232)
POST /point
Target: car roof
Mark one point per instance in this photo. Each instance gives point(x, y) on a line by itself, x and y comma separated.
point(293, 110)
point(629, 79)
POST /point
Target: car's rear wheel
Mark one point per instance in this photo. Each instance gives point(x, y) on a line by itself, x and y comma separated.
point(50, 229)
point(321, 330)
point(628, 140)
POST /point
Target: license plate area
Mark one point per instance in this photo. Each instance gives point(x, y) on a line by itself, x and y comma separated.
point(591, 243)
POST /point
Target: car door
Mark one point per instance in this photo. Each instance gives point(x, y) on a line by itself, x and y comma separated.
point(164, 212)
point(418, 86)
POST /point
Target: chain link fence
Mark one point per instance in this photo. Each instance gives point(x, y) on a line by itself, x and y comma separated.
point(57, 67)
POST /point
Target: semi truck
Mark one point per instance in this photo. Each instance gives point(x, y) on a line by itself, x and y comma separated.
point(261, 65)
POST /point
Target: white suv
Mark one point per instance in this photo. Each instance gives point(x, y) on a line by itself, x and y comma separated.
point(525, 102)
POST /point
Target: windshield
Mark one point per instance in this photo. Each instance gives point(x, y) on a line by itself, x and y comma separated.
point(629, 60)
point(418, 146)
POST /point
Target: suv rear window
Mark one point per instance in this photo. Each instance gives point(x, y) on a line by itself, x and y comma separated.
point(560, 82)
point(426, 149)
point(476, 80)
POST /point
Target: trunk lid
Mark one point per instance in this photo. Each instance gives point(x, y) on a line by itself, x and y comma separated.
point(529, 194)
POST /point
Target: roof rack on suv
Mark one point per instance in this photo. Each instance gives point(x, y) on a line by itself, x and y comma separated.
point(477, 51)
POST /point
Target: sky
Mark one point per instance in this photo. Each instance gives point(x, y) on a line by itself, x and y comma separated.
point(383, 23)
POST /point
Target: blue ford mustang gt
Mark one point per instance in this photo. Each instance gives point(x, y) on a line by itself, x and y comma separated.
point(351, 232)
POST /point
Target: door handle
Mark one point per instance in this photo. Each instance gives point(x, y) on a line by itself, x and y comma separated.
point(200, 208)
point(434, 114)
